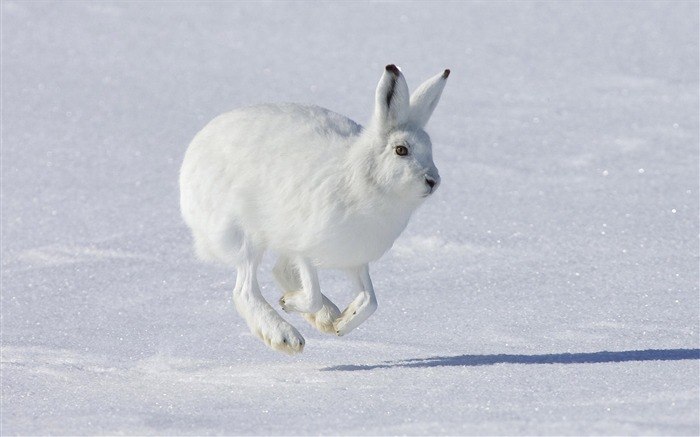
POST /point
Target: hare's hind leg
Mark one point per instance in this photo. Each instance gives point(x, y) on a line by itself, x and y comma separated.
point(362, 306)
point(261, 318)
point(299, 282)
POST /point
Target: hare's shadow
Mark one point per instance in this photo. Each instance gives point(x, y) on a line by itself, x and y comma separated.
point(563, 358)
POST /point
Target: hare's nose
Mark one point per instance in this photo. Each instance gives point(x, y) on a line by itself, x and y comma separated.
point(431, 182)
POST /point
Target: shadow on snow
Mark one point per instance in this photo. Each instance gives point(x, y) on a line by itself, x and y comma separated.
point(565, 358)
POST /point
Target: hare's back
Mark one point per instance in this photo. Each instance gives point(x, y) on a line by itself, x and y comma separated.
point(271, 140)
point(287, 125)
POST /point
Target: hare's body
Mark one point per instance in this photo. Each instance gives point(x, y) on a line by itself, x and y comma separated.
point(315, 188)
point(226, 203)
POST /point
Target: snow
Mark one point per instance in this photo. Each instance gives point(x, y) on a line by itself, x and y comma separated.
point(550, 286)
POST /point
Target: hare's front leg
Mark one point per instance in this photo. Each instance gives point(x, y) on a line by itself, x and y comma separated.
point(364, 304)
point(288, 275)
point(306, 297)
point(261, 318)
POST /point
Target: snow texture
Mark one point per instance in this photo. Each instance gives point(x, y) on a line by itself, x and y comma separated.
point(550, 286)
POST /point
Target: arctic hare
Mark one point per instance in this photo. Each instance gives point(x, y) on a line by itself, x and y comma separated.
point(315, 188)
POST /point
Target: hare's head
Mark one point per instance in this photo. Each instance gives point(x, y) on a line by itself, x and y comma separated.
point(403, 157)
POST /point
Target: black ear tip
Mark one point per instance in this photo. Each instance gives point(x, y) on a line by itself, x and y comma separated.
point(446, 73)
point(393, 69)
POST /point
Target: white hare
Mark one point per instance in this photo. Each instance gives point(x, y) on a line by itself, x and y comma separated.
point(315, 188)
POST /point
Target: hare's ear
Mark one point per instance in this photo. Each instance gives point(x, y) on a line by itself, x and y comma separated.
point(392, 99)
point(425, 98)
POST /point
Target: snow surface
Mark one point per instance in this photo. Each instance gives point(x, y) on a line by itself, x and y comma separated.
point(549, 287)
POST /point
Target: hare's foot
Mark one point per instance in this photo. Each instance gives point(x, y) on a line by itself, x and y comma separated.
point(298, 278)
point(282, 338)
point(261, 318)
point(276, 333)
point(364, 304)
point(324, 319)
point(264, 322)
point(301, 302)
point(357, 312)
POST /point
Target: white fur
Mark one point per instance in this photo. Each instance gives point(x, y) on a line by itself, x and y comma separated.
point(314, 187)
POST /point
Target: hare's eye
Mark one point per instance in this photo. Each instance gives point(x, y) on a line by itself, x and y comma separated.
point(401, 150)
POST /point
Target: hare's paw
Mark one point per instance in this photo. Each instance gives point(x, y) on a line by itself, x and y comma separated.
point(300, 302)
point(273, 330)
point(289, 341)
point(281, 337)
point(324, 319)
point(357, 312)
